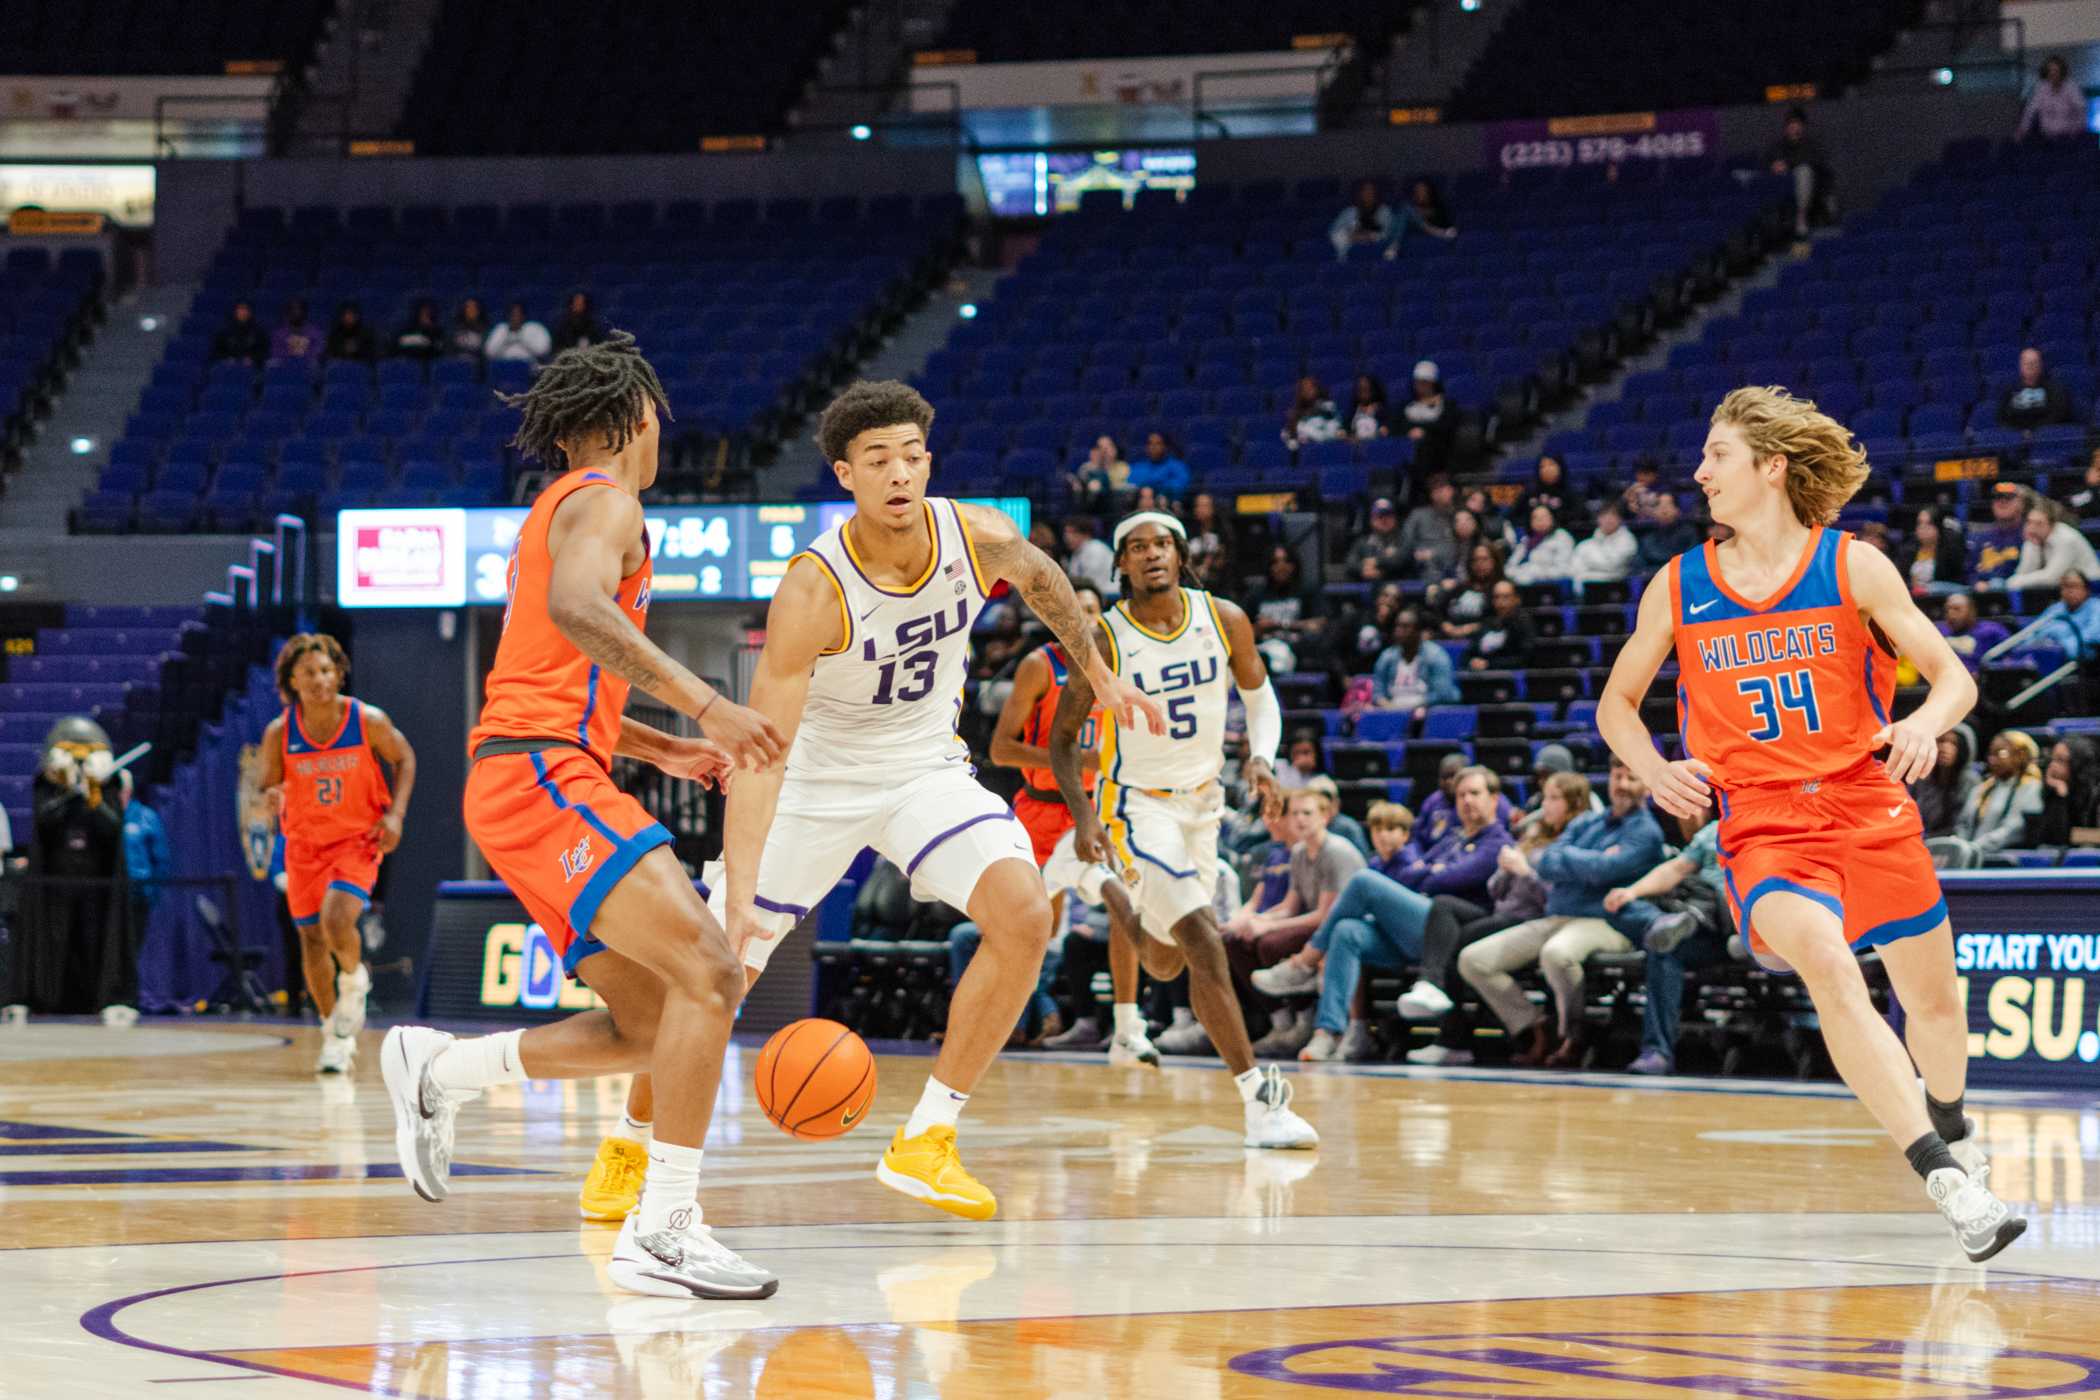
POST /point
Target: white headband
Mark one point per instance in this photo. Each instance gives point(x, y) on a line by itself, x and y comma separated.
point(1149, 517)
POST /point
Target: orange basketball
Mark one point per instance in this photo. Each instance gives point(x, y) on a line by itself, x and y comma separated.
point(815, 1079)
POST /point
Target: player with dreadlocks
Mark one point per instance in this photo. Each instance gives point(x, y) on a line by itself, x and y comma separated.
point(589, 864)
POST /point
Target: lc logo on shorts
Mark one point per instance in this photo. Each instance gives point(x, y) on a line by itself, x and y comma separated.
point(576, 860)
point(520, 968)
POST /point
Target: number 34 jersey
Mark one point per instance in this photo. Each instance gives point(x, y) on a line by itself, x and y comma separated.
point(1188, 671)
point(1786, 689)
point(883, 704)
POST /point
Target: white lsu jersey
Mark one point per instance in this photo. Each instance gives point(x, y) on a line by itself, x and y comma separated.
point(883, 705)
point(1189, 673)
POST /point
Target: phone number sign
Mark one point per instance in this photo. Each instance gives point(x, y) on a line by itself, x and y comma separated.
point(1619, 138)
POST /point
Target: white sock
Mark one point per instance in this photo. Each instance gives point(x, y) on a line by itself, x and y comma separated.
point(1128, 1023)
point(670, 1189)
point(939, 1107)
point(1184, 1016)
point(480, 1062)
point(1249, 1084)
point(634, 1130)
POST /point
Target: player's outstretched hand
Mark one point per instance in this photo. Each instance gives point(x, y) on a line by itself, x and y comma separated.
point(1126, 701)
point(1263, 777)
point(387, 832)
point(1680, 788)
point(701, 760)
point(749, 736)
point(1913, 750)
point(1089, 841)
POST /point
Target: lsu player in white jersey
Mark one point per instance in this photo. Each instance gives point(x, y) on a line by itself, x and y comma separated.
point(867, 648)
point(1156, 809)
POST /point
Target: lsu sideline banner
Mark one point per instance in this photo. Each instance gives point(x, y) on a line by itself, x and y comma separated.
point(1618, 138)
point(2027, 958)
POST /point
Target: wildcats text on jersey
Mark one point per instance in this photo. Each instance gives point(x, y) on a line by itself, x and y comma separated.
point(1732, 651)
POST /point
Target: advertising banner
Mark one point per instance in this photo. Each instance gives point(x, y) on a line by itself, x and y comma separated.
point(1244, 79)
point(1692, 133)
point(2027, 956)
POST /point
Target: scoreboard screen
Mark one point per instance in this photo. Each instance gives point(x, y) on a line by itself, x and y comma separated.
point(451, 557)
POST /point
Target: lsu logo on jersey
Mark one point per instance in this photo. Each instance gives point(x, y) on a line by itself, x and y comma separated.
point(1178, 675)
point(576, 860)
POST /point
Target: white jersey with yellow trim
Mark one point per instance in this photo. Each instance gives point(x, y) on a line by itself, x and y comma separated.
point(1189, 671)
point(883, 704)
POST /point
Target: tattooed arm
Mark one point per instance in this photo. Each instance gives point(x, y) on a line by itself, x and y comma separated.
point(1074, 704)
point(1003, 552)
point(588, 540)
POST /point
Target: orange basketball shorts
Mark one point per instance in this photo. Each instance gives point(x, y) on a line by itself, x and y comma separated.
point(1046, 823)
point(310, 872)
point(560, 835)
point(1854, 844)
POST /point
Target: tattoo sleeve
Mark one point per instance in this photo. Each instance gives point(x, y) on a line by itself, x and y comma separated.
point(1046, 590)
point(1073, 706)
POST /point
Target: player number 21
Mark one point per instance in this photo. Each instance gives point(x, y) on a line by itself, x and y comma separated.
point(328, 791)
point(1795, 690)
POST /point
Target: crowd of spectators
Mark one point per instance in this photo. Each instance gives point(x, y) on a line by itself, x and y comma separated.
point(426, 335)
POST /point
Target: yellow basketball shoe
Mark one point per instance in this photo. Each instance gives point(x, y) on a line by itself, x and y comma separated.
point(926, 1169)
point(615, 1183)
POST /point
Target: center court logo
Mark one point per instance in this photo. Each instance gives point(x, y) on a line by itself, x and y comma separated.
point(1597, 1365)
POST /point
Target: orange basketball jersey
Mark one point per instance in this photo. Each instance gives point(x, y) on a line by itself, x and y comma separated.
point(334, 788)
point(1037, 732)
point(541, 686)
point(1787, 689)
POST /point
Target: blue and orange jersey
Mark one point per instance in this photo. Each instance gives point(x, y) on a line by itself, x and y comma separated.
point(1788, 689)
point(1037, 730)
point(542, 686)
point(334, 788)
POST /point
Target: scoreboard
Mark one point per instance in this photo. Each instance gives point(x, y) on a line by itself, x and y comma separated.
point(451, 557)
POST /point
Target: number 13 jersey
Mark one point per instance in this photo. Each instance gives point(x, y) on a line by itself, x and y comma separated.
point(883, 704)
point(1788, 689)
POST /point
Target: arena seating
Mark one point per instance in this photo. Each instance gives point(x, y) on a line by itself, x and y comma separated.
point(1197, 318)
point(1551, 59)
point(151, 36)
point(745, 310)
point(996, 31)
point(584, 80)
point(47, 308)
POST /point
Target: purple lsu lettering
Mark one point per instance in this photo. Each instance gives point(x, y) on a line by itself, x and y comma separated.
point(1734, 651)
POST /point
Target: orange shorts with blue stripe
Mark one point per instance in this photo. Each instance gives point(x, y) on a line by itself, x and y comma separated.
point(1045, 822)
point(310, 872)
point(559, 833)
point(1854, 844)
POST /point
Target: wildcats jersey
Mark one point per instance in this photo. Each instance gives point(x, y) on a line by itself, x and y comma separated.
point(1788, 689)
point(542, 686)
point(883, 704)
point(1040, 720)
point(334, 788)
point(1188, 671)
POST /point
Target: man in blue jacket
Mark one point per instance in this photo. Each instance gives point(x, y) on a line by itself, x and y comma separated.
point(1595, 855)
point(1378, 921)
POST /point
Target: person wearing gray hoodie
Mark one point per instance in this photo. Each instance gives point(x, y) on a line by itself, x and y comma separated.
point(1945, 791)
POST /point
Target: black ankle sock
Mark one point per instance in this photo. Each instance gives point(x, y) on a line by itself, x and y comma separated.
point(1929, 1154)
point(1947, 1118)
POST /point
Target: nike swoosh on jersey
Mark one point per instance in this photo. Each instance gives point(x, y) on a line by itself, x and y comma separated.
point(1897, 810)
point(1698, 608)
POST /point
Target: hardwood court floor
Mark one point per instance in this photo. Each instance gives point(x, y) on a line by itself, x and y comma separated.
point(186, 1211)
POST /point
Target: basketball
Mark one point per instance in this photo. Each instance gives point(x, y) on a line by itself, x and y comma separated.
point(815, 1079)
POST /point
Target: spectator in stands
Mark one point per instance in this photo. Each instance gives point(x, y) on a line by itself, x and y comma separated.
point(1367, 410)
point(1800, 155)
point(1340, 824)
point(1431, 420)
point(1644, 496)
point(1412, 674)
point(1301, 761)
point(1874, 534)
point(2056, 109)
point(996, 647)
point(579, 325)
point(1160, 469)
point(2038, 400)
point(147, 860)
point(1996, 815)
point(1969, 635)
point(518, 338)
point(1596, 854)
point(1148, 499)
point(1678, 912)
point(1609, 554)
point(1427, 212)
point(1946, 791)
point(1506, 637)
point(1210, 542)
point(242, 336)
point(423, 338)
point(1379, 552)
point(1998, 543)
point(1546, 551)
point(1372, 631)
point(1312, 416)
point(1549, 760)
point(295, 341)
point(350, 338)
point(1392, 827)
point(470, 331)
point(1287, 606)
point(1379, 921)
point(1440, 809)
point(2051, 549)
point(1087, 558)
point(2071, 624)
point(1368, 224)
point(2070, 814)
point(1103, 475)
point(1320, 866)
point(1670, 535)
point(1933, 558)
point(1549, 488)
point(2085, 501)
point(1466, 531)
point(1427, 538)
point(1515, 895)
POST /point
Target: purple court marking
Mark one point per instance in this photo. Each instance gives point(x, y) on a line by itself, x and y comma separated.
point(19, 1132)
point(126, 1145)
point(146, 1176)
point(1414, 1369)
